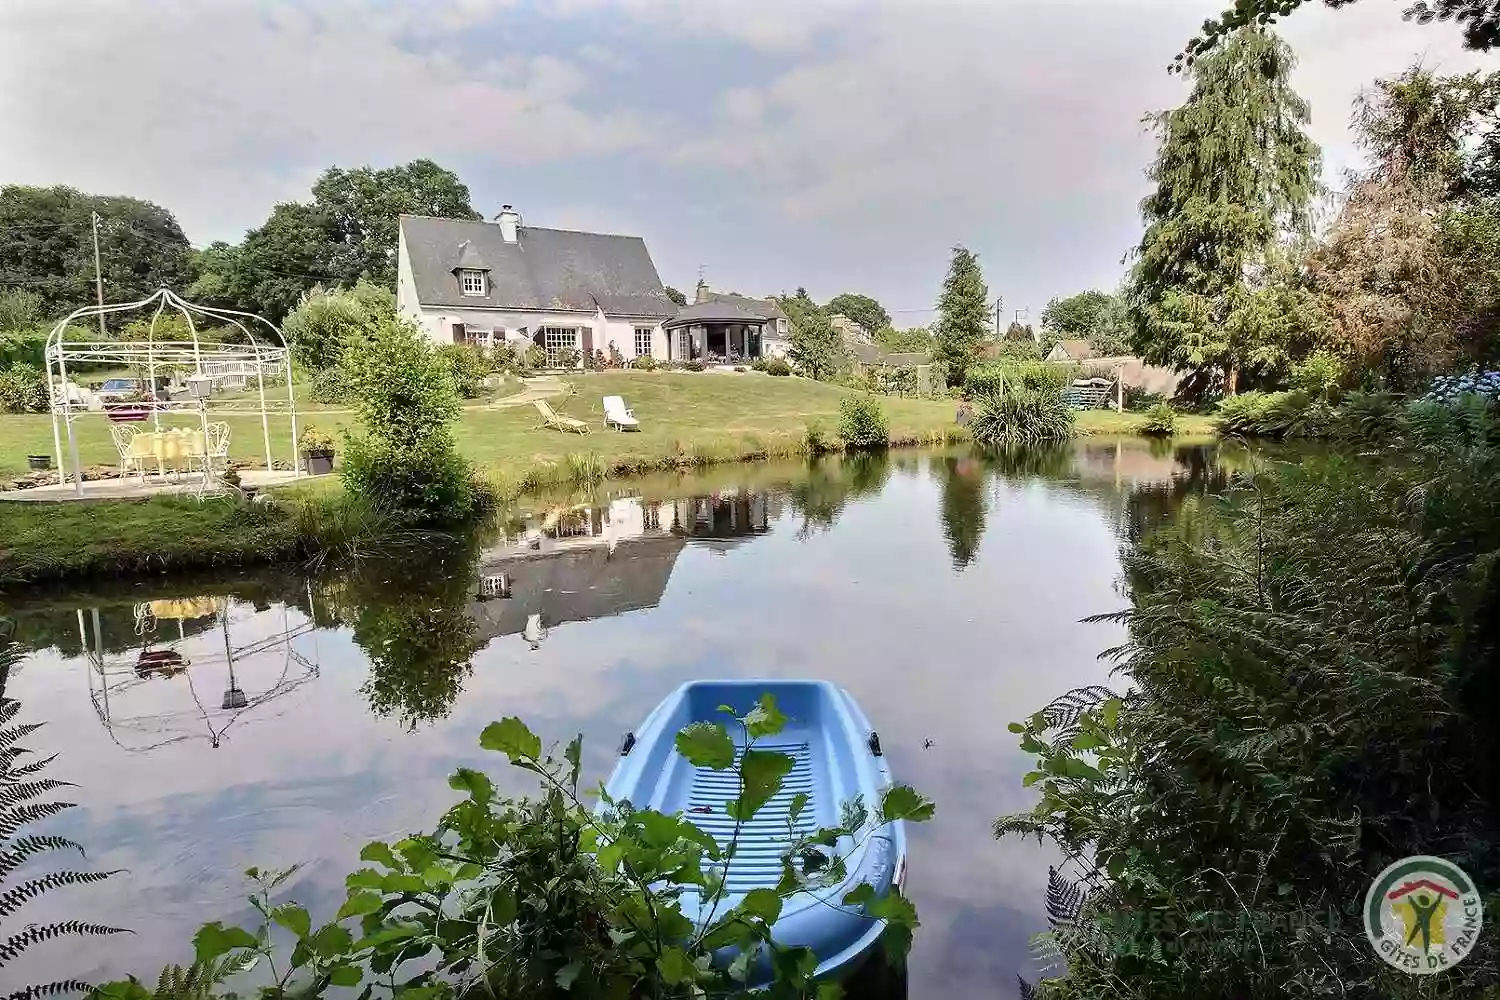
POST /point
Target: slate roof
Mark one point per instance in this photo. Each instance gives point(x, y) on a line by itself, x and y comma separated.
point(545, 269)
point(714, 312)
point(1078, 350)
point(761, 307)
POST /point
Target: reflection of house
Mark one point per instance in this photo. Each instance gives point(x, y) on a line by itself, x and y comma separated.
point(595, 562)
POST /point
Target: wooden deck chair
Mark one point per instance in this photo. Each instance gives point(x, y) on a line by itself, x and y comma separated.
point(557, 420)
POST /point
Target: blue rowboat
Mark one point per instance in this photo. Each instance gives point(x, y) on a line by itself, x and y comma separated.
point(836, 756)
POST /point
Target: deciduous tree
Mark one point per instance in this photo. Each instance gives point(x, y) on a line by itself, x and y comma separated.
point(817, 348)
point(861, 308)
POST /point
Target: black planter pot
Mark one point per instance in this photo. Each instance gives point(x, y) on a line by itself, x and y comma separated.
point(39, 461)
point(319, 463)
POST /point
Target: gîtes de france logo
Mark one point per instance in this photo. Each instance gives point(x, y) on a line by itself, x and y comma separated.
point(1423, 914)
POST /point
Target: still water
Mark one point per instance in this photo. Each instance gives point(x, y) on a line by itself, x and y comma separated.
point(213, 724)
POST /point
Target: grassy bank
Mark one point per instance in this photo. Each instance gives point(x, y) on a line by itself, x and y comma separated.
point(686, 419)
point(58, 541)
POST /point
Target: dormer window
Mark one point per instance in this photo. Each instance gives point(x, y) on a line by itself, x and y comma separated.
point(472, 282)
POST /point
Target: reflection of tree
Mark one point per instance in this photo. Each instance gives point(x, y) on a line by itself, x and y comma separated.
point(1150, 505)
point(1055, 460)
point(965, 482)
point(831, 482)
point(410, 619)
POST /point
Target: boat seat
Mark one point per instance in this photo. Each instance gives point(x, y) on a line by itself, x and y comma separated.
point(757, 860)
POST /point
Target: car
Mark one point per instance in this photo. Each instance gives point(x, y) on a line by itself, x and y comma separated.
point(115, 390)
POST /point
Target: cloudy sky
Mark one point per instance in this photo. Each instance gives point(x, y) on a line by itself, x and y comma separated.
point(843, 145)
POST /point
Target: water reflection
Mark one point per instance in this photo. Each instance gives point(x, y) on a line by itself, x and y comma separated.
point(944, 589)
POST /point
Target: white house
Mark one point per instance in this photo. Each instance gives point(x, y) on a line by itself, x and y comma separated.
point(502, 281)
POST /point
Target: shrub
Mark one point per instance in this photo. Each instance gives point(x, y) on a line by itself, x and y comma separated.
point(331, 385)
point(1016, 373)
point(23, 389)
point(1021, 416)
point(759, 364)
point(1140, 400)
point(1372, 417)
point(819, 441)
point(327, 322)
point(404, 459)
point(1453, 388)
point(1275, 415)
point(643, 363)
point(1446, 427)
point(467, 366)
point(1160, 421)
point(533, 357)
point(985, 380)
point(862, 422)
point(503, 358)
point(777, 366)
point(568, 357)
point(693, 366)
point(29, 346)
point(1319, 375)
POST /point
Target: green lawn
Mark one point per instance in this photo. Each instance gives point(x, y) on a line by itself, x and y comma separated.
point(687, 415)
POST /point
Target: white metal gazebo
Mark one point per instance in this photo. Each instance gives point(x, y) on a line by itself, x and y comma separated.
point(258, 352)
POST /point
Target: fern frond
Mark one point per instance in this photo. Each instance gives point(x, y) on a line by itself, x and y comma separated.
point(1023, 824)
point(9, 736)
point(12, 947)
point(61, 988)
point(16, 773)
point(12, 821)
point(1028, 992)
point(1064, 898)
point(15, 794)
point(8, 706)
point(24, 848)
point(197, 981)
point(1064, 711)
point(14, 899)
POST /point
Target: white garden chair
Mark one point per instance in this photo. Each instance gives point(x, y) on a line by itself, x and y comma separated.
point(216, 445)
point(124, 436)
point(617, 414)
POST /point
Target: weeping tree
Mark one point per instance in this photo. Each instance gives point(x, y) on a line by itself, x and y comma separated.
point(1235, 176)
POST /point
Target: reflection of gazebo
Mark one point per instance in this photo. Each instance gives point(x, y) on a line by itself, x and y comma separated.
point(714, 331)
point(171, 664)
point(254, 351)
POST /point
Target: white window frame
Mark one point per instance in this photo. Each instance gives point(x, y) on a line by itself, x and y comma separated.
point(555, 339)
point(647, 333)
point(482, 338)
point(472, 282)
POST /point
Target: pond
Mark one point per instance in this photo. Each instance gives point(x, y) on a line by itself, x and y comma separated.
point(213, 724)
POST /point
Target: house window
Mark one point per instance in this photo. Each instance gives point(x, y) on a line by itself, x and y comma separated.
point(473, 282)
point(555, 339)
point(479, 338)
point(781, 326)
point(497, 585)
point(642, 341)
point(684, 345)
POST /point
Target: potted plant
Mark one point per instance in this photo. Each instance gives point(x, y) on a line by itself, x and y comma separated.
point(317, 450)
point(38, 462)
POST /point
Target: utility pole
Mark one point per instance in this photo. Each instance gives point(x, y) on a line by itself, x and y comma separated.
point(98, 272)
point(998, 334)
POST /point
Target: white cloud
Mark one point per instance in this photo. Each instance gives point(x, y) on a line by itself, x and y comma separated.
point(218, 111)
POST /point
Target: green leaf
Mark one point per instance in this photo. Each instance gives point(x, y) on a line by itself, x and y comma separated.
point(762, 903)
point(692, 832)
point(861, 895)
point(476, 783)
point(609, 857)
point(503, 907)
point(799, 803)
point(359, 903)
point(345, 975)
point(381, 854)
point(511, 737)
point(618, 937)
point(294, 918)
point(365, 878)
point(675, 967)
point(739, 969)
point(574, 754)
point(706, 744)
point(830, 990)
point(659, 830)
point(330, 941)
point(1087, 741)
point(1031, 778)
point(1016, 728)
point(1110, 712)
point(761, 773)
point(903, 802)
point(568, 973)
point(765, 719)
point(398, 883)
point(213, 940)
